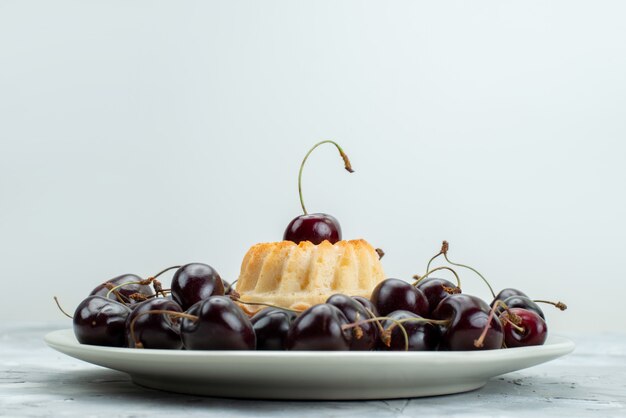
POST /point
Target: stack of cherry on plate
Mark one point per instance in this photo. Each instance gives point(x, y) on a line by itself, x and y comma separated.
point(200, 311)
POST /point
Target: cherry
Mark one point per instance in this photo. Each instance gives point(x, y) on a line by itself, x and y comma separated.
point(394, 294)
point(195, 282)
point(422, 335)
point(524, 303)
point(514, 298)
point(468, 316)
point(367, 304)
point(320, 328)
point(100, 321)
point(436, 290)
point(125, 291)
point(152, 330)
point(523, 327)
point(271, 326)
point(220, 325)
point(507, 293)
point(315, 227)
point(367, 335)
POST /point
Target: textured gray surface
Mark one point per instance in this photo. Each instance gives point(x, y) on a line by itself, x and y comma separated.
point(36, 381)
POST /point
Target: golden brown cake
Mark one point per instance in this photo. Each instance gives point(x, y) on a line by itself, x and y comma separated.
point(298, 276)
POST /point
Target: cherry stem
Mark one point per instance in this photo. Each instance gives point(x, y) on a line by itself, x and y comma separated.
point(137, 343)
point(158, 288)
point(343, 155)
point(357, 330)
point(120, 298)
point(164, 271)
point(372, 316)
point(559, 305)
point(504, 306)
point(61, 309)
point(420, 278)
point(157, 284)
point(478, 343)
point(444, 251)
point(513, 324)
point(144, 282)
point(266, 304)
point(138, 297)
point(141, 296)
point(396, 322)
point(235, 297)
point(357, 324)
point(231, 287)
point(431, 260)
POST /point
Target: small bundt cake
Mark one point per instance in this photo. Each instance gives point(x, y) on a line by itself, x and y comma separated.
point(297, 276)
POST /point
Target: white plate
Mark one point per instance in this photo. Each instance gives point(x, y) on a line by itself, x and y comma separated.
point(310, 374)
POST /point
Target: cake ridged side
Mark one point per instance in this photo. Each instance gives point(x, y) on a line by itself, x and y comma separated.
point(301, 275)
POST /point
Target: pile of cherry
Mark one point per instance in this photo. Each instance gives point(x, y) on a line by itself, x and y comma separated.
point(200, 311)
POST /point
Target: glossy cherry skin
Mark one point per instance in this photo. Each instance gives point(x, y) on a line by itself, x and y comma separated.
point(436, 290)
point(367, 304)
point(535, 329)
point(354, 312)
point(314, 227)
point(395, 295)
point(507, 293)
point(155, 330)
point(319, 328)
point(124, 291)
point(468, 317)
point(221, 325)
point(271, 326)
point(524, 303)
point(423, 336)
point(101, 321)
point(195, 282)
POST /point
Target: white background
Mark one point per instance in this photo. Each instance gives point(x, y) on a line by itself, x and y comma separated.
point(140, 134)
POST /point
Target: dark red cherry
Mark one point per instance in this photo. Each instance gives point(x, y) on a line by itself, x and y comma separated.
point(221, 325)
point(422, 335)
point(367, 304)
point(436, 290)
point(154, 330)
point(507, 293)
point(524, 303)
point(271, 326)
point(319, 328)
point(195, 282)
point(533, 328)
point(124, 291)
point(100, 321)
point(366, 338)
point(468, 316)
point(314, 227)
point(395, 295)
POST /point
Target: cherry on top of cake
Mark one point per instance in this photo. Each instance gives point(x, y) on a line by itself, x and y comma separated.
point(315, 227)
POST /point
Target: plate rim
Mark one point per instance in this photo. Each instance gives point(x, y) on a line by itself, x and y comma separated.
point(196, 372)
